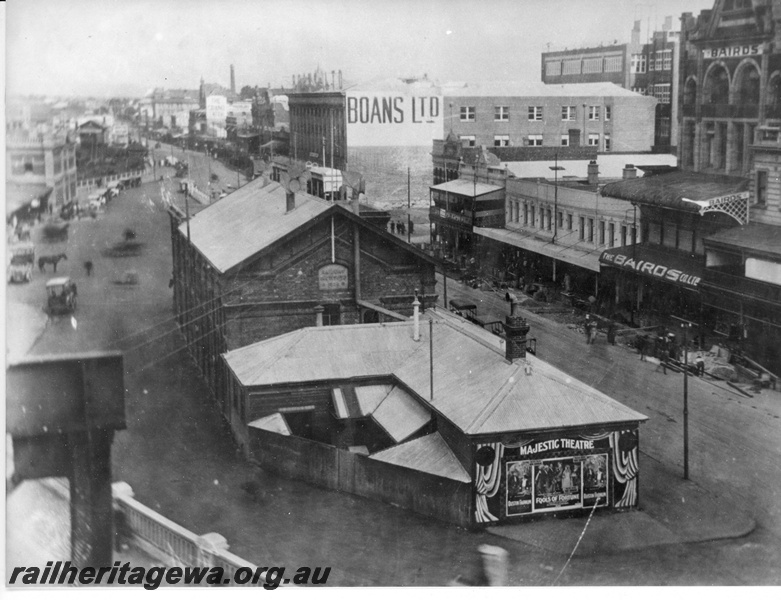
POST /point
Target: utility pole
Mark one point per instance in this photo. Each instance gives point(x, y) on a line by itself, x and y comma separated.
point(409, 207)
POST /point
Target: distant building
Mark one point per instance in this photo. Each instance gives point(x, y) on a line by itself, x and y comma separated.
point(649, 68)
point(168, 108)
point(601, 115)
point(42, 160)
point(92, 133)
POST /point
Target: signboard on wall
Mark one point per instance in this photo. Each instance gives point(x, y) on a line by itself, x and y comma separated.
point(550, 485)
point(332, 277)
point(393, 118)
point(732, 50)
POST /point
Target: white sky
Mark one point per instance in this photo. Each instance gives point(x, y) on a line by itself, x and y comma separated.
point(125, 47)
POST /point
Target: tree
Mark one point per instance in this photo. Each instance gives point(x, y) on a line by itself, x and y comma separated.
point(247, 92)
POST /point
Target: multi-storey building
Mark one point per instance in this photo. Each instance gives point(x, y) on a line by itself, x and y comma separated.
point(601, 115)
point(40, 161)
point(730, 83)
point(649, 68)
point(168, 108)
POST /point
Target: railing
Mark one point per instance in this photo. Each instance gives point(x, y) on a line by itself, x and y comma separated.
point(174, 544)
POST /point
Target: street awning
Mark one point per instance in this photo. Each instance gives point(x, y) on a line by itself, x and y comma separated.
point(670, 266)
point(586, 259)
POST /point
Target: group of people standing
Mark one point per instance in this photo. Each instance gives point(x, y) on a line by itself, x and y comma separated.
point(400, 228)
point(591, 325)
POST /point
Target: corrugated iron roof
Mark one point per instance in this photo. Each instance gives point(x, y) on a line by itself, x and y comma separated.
point(401, 415)
point(247, 221)
point(274, 422)
point(370, 396)
point(429, 454)
point(759, 237)
point(672, 190)
point(474, 386)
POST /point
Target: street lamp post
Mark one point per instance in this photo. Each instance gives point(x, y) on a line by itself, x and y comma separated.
point(556, 168)
point(685, 327)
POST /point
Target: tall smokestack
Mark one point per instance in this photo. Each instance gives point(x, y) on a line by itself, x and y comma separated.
point(340, 79)
point(636, 34)
point(233, 80)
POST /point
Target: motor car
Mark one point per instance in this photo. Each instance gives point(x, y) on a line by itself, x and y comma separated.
point(60, 295)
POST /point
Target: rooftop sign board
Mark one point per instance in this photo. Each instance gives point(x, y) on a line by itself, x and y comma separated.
point(393, 118)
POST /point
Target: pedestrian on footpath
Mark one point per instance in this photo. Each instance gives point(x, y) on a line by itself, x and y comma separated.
point(88, 267)
point(611, 333)
point(594, 326)
point(642, 344)
point(393, 226)
point(663, 358)
point(587, 327)
point(700, 363)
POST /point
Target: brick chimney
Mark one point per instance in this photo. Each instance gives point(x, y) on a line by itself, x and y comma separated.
point(319, 310)
point(416, 319)
point(515, 330)
point(593, 172)
point(630, 172)
point(290, 201)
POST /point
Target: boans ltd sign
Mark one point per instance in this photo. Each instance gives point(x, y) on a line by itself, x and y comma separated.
point(393, 119)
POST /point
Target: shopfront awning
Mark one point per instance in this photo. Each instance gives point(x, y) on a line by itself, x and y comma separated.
point(655, 262)
point(586, 259)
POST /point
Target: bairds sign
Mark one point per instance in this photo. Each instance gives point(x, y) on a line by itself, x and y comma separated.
point(731, 51)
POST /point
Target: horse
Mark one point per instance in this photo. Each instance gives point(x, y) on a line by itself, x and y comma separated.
point(52, 259)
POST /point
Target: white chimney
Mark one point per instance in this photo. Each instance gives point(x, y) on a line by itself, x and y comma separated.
point(416, 319)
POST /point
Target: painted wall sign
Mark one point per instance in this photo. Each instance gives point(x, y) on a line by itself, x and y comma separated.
point(332, 277)
point(393, 118)
point(731, 51)
point(652, 269)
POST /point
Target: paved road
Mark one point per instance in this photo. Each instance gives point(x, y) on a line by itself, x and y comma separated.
point(180, 460)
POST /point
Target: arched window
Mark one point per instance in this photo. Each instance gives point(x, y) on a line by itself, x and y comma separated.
point(747, 85)
point(774, 94)
point(690, 92)
point(716, 90)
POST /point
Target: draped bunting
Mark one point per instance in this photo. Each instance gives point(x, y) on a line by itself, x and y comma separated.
point(625, 469)
point(487, 480)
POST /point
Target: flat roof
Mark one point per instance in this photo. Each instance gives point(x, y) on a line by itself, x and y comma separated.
point(465, 187)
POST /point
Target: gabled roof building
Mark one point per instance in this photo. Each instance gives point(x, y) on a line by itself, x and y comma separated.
point(472, 428)
point(265, 261)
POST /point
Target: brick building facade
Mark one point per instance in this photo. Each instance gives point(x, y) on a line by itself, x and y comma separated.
point(260, 263)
